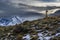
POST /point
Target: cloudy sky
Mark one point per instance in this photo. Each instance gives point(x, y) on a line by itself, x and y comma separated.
point(20, 7)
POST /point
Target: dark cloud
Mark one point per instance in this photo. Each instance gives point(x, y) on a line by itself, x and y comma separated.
point(9, 10)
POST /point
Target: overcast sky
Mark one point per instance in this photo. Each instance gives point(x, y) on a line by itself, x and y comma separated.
point(36, 2)
point(19, 7)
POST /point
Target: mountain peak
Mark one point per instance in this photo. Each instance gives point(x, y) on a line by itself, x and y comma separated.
point(10, 21)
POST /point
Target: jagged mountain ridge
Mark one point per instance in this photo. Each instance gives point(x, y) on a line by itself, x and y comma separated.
point(10, 21)
point(13, 20)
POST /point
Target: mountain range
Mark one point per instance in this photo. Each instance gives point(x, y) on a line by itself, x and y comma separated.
point(10, 21)
point(13, 20)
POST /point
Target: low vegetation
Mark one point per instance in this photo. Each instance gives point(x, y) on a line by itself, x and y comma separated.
point(52, 24)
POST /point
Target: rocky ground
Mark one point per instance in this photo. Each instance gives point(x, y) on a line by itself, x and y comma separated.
point(41, 29)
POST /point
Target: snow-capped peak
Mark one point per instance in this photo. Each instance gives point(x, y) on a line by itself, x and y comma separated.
point(10, 21)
